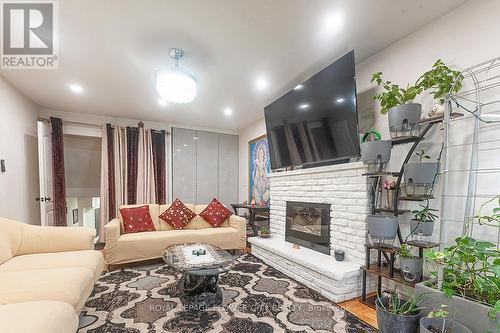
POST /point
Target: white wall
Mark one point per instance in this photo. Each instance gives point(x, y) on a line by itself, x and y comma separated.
point(464, 37)
point(251, 132)
point(18, 147)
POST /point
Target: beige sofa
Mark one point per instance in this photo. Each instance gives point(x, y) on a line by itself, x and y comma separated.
point(125, 248)
point(46, 276)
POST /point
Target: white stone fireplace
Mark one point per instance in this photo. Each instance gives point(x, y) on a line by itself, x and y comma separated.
point(342, 187)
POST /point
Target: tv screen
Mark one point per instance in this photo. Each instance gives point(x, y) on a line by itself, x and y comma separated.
point(316, 123)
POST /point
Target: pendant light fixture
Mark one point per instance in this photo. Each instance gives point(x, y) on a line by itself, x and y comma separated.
point(176, 84)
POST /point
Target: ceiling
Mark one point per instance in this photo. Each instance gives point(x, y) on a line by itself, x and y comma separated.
point(112, 48)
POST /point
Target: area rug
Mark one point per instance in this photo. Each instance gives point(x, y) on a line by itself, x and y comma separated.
point(256, 299)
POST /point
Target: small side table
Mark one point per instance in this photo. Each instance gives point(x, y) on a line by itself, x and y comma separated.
point(253, 211)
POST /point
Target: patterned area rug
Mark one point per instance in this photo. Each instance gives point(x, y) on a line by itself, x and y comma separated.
point(257, 298)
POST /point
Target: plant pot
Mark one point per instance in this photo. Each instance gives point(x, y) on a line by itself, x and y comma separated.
point(419, 228)
point(261, 235)
point(339, 255)
point(422, 173)
point(465, 311)
point(449, 325)
point(411, 268)
point(403, 119)
point(390, 323)
point(376, 154)
point(382, 229)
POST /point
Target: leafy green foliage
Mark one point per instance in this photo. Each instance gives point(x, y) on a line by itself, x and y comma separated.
point(393, 95)
point(425, 214)
point(422, 155)
point(264, 230)
point(395, 305)
point(493, 219)
point(442, 79)
point(471, 269)
point(406, 251)
point(439, 312)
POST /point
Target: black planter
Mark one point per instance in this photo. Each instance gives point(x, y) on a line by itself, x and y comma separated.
point(339, 255)
point(391, 323)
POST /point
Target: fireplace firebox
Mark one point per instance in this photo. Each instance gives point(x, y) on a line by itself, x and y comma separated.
point(308, 224)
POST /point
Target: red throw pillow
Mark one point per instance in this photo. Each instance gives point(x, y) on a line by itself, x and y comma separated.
point(137, 219)
point(216, 213)
point(178, 215)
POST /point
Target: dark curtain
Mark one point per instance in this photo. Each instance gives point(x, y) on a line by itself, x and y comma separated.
point(111, 171)
point(58, 175)
point(158, 145)
point(132, 156)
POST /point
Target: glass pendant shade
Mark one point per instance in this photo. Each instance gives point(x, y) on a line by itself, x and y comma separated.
point(176, 85)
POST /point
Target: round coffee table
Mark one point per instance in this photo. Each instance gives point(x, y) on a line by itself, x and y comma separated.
point(201, 265)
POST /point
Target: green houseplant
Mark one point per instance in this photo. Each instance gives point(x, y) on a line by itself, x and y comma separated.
point(420, 176)
point(437, 321)
point(423, 220)
point(264, 232)
point(397, 101)
point(397, 313)
point(468, 274)
point(411, 266)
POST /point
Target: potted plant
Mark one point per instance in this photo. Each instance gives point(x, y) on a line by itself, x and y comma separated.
point(442, 80)
point(411, 266)
point(375, 153)
point(395, 314)
point(420, 177)
point(437, 321)
point(467, 279)
point(264, 232)
point(423, 220)
point(382, 229)
point(397, 101)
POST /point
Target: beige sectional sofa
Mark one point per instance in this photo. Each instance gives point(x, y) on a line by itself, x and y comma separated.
point(125, 248)
point(46, 276)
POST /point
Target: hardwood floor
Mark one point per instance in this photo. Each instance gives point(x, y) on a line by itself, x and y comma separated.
point(361, 311)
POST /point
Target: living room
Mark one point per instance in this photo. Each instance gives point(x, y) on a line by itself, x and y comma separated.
point(264, 166)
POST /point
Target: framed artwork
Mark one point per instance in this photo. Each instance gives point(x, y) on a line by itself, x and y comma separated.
point(258, 169)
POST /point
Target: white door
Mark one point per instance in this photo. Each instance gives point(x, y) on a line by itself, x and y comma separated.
point(45, 173)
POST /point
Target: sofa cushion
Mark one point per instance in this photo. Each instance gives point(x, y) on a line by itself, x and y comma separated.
point(92, 260)
point(154, 212)
point(136, 219)
point(216, 213)
point(70, 285)
point(164, 226)
point(178, 215)
point(39, 317)
point(131, 247)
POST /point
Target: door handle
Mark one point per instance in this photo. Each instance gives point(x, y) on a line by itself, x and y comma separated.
point(40, 199)
point(47, 199)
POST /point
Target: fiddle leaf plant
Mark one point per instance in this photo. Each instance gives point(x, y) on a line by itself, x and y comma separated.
point(393, 95)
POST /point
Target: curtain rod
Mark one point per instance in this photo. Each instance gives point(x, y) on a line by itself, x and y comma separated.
point(93, 125)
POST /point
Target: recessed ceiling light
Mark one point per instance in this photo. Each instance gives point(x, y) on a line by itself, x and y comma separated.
point(339, 100)
point(178, 150)
point(76, 88)
point(228, 111)
point(332, 23)
point(185, 145)
point(195, 138)
point(298, 87)
point(162, 102)
point(261, 83)
point(304, 106)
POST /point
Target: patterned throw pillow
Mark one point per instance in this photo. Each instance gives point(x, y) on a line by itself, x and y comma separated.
point(137, 219)
point(216, 213)
point(178, 215)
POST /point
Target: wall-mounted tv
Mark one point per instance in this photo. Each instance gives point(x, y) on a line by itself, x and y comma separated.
point(316, 123)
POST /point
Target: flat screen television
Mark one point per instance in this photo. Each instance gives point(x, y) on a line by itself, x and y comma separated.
point(316, 123)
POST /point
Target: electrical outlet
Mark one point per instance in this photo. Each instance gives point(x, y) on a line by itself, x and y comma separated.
point(2, 166)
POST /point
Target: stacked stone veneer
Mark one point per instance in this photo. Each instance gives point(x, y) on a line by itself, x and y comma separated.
point(342, 186)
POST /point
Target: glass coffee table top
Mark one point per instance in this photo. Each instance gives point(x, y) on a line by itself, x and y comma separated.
point(198, 259)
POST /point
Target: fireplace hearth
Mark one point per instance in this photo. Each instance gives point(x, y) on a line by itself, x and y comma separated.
point(308, 224)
